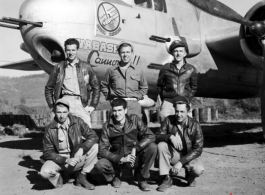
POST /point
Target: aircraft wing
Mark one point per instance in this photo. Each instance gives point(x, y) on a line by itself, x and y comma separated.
point(27, 65)
point(226, 43)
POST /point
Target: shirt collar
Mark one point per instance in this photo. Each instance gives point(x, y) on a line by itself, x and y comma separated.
point(131, 65)
point(65, 125)
point(76, 61)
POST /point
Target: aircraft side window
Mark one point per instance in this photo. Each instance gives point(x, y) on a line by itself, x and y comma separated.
point(160, 5)
point(143, 3)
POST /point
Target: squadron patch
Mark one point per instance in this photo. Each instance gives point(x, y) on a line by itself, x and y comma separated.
point(108, 19)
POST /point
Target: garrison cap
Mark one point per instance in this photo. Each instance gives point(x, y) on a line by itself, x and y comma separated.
point(180, 100)
point(62, 101)
point(124, 43)
point(176, 44)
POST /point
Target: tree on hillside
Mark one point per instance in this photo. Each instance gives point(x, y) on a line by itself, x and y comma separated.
point(22, 100)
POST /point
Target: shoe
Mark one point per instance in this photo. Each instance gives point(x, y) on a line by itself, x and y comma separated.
point(59, 182)
point(82, 181)
point(192, 184)
point(167, 183)
point(190, 179)
point(143, 185)
point(116, 182)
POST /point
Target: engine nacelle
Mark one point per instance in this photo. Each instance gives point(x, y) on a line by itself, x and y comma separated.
point(250, 44)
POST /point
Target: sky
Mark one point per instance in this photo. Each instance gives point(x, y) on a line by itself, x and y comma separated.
point(10, 39)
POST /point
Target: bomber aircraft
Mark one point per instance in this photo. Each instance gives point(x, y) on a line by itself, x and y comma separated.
point(228, 56)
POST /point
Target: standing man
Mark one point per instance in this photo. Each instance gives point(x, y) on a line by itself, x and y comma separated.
point(65, 150)
point(180, 143)
point(176, 78)
point(122, 135)
point(73, 80)
point(125, 80)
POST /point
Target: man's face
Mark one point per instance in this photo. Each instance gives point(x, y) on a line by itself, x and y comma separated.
point(61, 113)
point(179, 53)
point(126, 54)
point(71, 51)
point(119, 113)
point(181, 112)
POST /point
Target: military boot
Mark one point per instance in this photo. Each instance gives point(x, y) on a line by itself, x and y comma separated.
point(167, 183)
point(82, 181)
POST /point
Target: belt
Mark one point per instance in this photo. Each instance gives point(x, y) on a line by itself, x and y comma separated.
point(127, 99)
point(74, 96)
point(130, 99)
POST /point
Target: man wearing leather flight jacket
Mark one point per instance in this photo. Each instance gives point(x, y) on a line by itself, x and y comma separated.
point(122, 134)
point(177, 78)
point(73, 80)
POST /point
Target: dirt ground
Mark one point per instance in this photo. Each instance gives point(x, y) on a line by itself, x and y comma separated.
point(234, 159)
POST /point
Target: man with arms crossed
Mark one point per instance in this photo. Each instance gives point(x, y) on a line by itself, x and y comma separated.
point(125, 80)
point(73, 80)
point(180, 143)
point(176, 78)
point(64, 149)
point(120, 136)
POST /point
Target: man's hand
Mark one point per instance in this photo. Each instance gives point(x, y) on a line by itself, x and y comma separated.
point(72, 161)
point(176, 141)
point(129, 158)
point(176, 168)
point(79, 153)
point(89, 109)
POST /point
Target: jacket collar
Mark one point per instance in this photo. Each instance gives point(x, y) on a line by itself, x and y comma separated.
point(173, 63)
point(127, 121)
point(54, 123)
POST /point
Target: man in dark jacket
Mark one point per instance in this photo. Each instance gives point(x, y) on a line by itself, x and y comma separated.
point(64, 149)
point(180, 143)
point(176, 78)
point(73, 80)
point(122, 135)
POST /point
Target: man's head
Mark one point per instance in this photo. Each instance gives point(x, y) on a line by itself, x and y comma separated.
point(61, 110)
point(119, 109)
point(71, 47)
point(178, 50)
point(125, 50)
point(182, 107)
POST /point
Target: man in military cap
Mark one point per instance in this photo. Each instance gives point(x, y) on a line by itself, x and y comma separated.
point(125, 80)
point(180, 144)
point(176, 78)
point(69, 145)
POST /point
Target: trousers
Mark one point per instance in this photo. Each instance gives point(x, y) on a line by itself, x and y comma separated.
point(51, 171)
point(168, 156)
point(167, 109)
point(144, 161)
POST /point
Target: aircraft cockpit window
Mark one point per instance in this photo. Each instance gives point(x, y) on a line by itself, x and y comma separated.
point(160, 5)
point(143, 3)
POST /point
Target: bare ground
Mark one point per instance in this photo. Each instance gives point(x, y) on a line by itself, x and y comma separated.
point(234, 158)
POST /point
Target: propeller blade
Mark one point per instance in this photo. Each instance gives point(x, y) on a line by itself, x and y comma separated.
point(220, 10)
point(262, 97)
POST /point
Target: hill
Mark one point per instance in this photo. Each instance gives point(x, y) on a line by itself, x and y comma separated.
point(29, 91)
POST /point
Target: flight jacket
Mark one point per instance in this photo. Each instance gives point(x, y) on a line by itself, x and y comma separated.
point(116, 143)
point(87, 81)
point(77, 129)
point(193, 137)
point(132, 85)
point(170, 83)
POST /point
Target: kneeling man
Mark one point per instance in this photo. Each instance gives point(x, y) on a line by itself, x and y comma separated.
point(64, 149)
point(180, 143)
point(121, 135)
